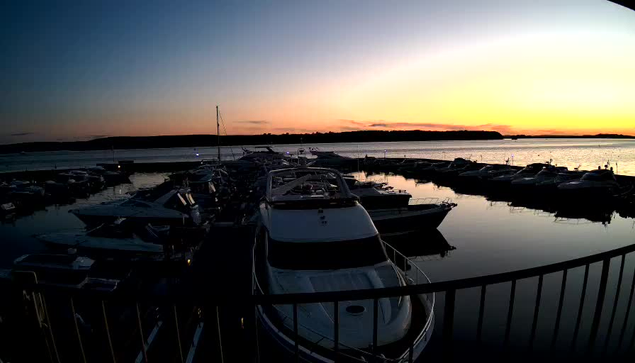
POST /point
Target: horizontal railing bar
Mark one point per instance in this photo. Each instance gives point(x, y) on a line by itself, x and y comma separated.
point(315, 297)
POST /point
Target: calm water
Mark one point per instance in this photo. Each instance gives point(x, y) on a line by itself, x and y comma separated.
point(493, 237)
point(587, 153)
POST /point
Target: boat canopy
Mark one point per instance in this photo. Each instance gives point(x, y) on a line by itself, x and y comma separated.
point(302, 184)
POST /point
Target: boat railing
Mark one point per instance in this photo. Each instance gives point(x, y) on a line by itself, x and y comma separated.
point(429, 200)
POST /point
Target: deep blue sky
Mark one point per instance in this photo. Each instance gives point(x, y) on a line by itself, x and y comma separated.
point(81, 69)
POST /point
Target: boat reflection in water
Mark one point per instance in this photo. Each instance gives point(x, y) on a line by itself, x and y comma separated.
point(428, 244)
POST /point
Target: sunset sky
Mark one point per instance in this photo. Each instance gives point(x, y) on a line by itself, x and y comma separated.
point(86, 69)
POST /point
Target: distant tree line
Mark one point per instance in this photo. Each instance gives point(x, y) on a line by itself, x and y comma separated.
point(148, 142)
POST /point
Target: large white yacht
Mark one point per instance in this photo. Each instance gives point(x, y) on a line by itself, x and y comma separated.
point(314, 236)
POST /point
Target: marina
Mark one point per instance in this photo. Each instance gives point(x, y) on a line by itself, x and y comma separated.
point(295, 181)
point(426, 212)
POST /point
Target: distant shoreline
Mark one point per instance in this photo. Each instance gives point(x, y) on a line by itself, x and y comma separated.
point(152, 142)
point(193, 141)
point(598, 136)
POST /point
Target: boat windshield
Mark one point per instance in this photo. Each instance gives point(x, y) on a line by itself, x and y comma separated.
point(326, 255)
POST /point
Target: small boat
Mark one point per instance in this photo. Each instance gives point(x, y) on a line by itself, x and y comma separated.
point(487, 172)
point(111, 177)
point(326, 154)
point(69, 271)
point(526, 172)
point(109, 240)
point(314, 236)
point(546, 175)
point(175, 208)
point(7, 208)
point(595, 185)
point(374, 195)
point(262, 153)
point(330, 158)
point(26, 194)
point(457, 166)
point(551, 185)
point(413, 217)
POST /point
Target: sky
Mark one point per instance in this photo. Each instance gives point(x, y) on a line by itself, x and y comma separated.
point(77, 70)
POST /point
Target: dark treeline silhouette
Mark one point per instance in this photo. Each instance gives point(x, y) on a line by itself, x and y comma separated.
point(598, 136)
point(149, 142)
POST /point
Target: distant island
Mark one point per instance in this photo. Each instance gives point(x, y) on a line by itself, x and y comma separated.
point(151, 142)
point(598, 136)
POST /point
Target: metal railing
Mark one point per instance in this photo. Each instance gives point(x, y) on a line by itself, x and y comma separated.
point(597, 343)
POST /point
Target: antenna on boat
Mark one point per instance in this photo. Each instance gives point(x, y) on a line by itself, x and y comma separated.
point(217, 134)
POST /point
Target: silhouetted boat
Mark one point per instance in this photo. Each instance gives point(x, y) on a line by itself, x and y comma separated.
point(177, 207)
point(379, 196)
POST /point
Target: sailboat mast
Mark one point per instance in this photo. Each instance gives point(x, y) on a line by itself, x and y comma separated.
point(217, 134)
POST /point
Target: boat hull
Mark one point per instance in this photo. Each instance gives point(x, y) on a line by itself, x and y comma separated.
point(399, 221)
point(95, 220)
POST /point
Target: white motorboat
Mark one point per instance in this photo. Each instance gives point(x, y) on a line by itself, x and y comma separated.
point(69, 271)
point(176, 207)
point(457, 166)
point(418, 215)
point(546, 175)
point(108, 240)
point(488, 172)
point(526, 172)
point(600, 183)
point(315, 237)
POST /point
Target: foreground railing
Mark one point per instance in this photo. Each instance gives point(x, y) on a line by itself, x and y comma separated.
point(173, 333)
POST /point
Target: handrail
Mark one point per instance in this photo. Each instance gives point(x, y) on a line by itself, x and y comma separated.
point(220, 299)
point(443, 285)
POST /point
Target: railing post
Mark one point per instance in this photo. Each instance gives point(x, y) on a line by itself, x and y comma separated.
point(178, 334)
point(79, 336)
point(336, 327)
point(626, 314)
point(143, 339)
point(556, 328)
point(295, 332)
point(220, 339)
point(598, 305)
point(510, 313)
point(481, 312)
point(615, 301)
point(375, 314)
point(112, 350)
point(580, 307)
point(536, 312)
point(50, 327)
point(448, 324)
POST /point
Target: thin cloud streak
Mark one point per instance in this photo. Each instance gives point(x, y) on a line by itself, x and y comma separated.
point(383, 124)
point(252, 122)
